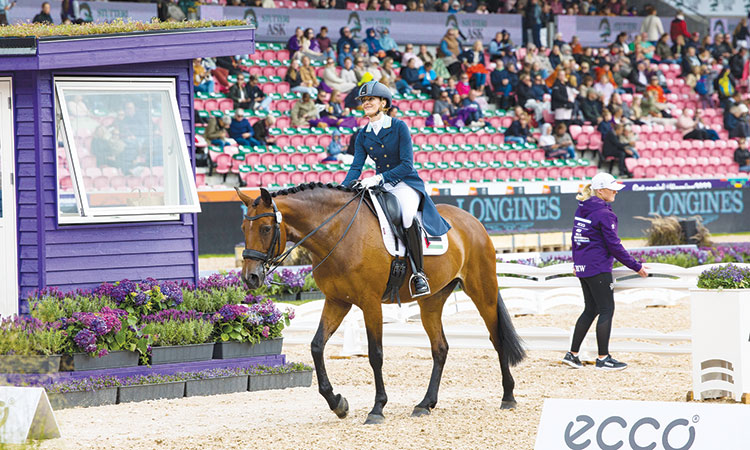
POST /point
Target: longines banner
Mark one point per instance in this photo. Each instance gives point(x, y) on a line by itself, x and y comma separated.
point(600, 31)
point(723, 207)
point(95, 11)
point(632, 425)
point(277, 25)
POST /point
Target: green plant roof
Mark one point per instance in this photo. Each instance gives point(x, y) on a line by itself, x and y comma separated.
point(115, 27)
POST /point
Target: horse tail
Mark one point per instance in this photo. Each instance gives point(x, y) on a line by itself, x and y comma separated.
point(510, 342)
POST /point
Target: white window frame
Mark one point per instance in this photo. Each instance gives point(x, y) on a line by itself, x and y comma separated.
point(121, 213)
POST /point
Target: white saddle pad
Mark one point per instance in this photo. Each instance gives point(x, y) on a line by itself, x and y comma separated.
point(432, 245)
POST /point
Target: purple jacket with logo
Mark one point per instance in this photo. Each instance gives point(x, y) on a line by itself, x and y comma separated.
point(595, 241)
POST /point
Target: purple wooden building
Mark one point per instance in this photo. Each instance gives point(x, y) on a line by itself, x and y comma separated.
point(97, 158)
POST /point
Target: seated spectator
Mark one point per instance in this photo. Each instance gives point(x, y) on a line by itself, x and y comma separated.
point(639, 77)
point(563, 97)
point(227, 65)
point(612, 146)
point(260, 100)
point(261, 129)
point(332, 113)
point(325, 43)
point(474, 61)
point(518, 132)
point(294, 44)
point(563, 141)
point(527, 98)
point(663, 53)
point(217, 131)
point(202, 79)
point(359, 67)
point(725, 85)
point(346, 38)
point(309, 46)
point(591, 107)
point(307, 73)
point(654, 86)
point(678, 47)
point(389, 45)
point(651, 107)
point(721, 51)
point(240, 93)
point(70, 12)
point(426, 77)
point(469, 104)
point(424, 55)
point(303, 111)
point(389, 74)
point(335, 149)
point(741, 126)
point(695, 129)
point(605, 126)
point(449, 50)
point(495, 46)
point(373, 44)
point(737, 62)
point(334, 81)
point(689, 60)
point(742, 155)
point(502, 89)
point(241, 131)
point(443, 109)
point(347, 72)
point(408, 55)
point(463, 86)
point(410, 75)
point(373, 68)
point(294, 78)
point(346, 52)
point(44, 15)
point(604, 88)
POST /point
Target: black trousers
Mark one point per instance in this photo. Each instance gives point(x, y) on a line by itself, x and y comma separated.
point(599, 299)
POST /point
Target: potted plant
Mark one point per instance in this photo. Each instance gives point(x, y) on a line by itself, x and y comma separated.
point(284, 286)
point(29, 345)
point(150, 387)
point(720, 316)
point(92, 391)
point(263, 378)
point(213, 292)
point(179, 336)
point(103, 340)
point(310, 290)
point(215, 382)
point(249, 330)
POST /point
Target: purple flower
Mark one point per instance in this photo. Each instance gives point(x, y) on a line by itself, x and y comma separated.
point(86, 340)
point(266, 331)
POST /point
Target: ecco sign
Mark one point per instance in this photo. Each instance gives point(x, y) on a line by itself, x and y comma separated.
point(615, 425)
point(576, 439)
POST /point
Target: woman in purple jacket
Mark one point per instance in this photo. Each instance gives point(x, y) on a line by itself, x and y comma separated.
point(595, 245)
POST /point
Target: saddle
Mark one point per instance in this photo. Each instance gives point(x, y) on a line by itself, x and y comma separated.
point(392, 210)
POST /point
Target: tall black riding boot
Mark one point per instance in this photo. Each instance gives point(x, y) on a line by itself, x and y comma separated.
point(414, 247)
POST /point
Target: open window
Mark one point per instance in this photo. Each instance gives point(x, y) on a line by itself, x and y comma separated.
point(121, 151)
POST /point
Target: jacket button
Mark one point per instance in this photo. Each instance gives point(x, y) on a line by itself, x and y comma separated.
point(385, 156)
point(387, 165)
point(370, 148)
point(382, 146)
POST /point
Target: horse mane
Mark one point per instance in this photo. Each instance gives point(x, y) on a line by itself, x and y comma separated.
point(306, 187)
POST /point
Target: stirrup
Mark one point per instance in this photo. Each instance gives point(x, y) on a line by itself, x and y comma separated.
point(411, 291)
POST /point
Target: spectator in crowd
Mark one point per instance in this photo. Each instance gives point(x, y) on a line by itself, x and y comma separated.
point(325, 43)
point(44, 15)
point(294, 78)
point(303, 111)
point(740, 33)
point(469, 104)
point(725, 85)
point(562, 98)
point(331, 113)
point(373, 68)
point(606, 123)
point(591, 107)
point(410, 74)
point(309, 46)
point(307, 73)
point(721, 50)
point(604, 88)
point(347, 72)
point(496, 46)
point(704, 87)
point(202, 79)
point(463, 87)
point(654, 86)
point(742, 155)
point(651, 25)
point(741, 126)
point(533, 23)
point(564, 141)
point(737, 62)
point(359, 67)
point(240, 93)
point(346, 38)
point(678, 27)
point(663, 52)
point(260, 101)
point(335, 149)
point(695, 129)
point(334, 81)
point(689, 61)
point(424, 55)
point(548, 143)
point(678, 47)
point(70, 12)
point(228, 65)
point(502, 89)
point(346, 52)
point(612, 146)
point(217, 131)
point(475, 63)
point(426, 77)
point(262, 128)
point(389, 45)
point(443, 109)
point(408, 55)
point(5, 6)
point(241, 131)
point(294, 44)
point(652, 108)
point(373, 44)
point(639, 77)
point(449, 50)
point(390, 77)
point(518, 132)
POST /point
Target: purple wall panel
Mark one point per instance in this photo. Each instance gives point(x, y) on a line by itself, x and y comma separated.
point(120, 261)
point(116, 248)
point(63, 279)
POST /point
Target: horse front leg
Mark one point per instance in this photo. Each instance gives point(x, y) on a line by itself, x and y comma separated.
point(374, 325)
point(334, 312)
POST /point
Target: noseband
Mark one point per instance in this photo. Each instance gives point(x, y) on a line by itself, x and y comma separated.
point(267, 257)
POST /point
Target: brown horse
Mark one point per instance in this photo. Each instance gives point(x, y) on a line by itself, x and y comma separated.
point(355, 273)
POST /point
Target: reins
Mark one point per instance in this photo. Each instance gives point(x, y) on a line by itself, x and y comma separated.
point(272, 263)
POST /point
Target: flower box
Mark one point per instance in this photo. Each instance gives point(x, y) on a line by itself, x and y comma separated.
point(99, 397)
point(231, 349)
point(267, 382)
point(181, 353)
point(215, 386)
point(311, 295)
point(141, 392)
point(720, 343)
point(301, 379)
point(29, 363)
point(286, 297)
point(112, 360)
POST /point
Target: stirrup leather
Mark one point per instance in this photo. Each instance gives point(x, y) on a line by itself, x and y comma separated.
point(416, 258)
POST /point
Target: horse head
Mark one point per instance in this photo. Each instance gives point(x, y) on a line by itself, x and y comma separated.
point(265, 237)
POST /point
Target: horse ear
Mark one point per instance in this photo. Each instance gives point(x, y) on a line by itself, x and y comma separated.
point(244, 197)
point(265, 196)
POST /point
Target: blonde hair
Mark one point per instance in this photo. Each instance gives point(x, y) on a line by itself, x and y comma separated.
point(587, 193)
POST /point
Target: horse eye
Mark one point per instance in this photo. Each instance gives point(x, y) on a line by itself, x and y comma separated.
point(265, 229)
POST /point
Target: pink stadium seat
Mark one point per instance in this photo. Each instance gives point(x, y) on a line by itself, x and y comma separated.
point(211, 104)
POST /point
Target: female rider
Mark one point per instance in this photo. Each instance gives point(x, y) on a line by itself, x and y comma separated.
point(387, 141)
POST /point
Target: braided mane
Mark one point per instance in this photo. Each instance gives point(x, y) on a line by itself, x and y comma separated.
point(305, 187)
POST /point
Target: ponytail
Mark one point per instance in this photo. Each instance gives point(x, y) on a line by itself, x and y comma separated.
point(585, 194)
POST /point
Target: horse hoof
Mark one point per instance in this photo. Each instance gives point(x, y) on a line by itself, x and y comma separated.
point(508, 404)
point(419, 411)
point(374, 419)
point(342, 409)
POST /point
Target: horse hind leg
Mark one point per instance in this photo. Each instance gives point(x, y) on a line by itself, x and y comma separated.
point(503, 335)
point(431, 311)
point(333, 313)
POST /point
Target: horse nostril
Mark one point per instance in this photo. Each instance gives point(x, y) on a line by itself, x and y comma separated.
point(254, 280)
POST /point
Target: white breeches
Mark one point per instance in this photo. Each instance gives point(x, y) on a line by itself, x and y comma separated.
point(408, 198)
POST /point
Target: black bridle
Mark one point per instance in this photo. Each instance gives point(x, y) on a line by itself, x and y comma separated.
point(271, 262)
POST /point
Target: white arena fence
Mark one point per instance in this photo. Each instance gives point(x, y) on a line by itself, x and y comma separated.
point(525, 290)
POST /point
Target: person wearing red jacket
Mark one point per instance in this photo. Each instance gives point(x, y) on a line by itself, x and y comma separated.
point(679, 28)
